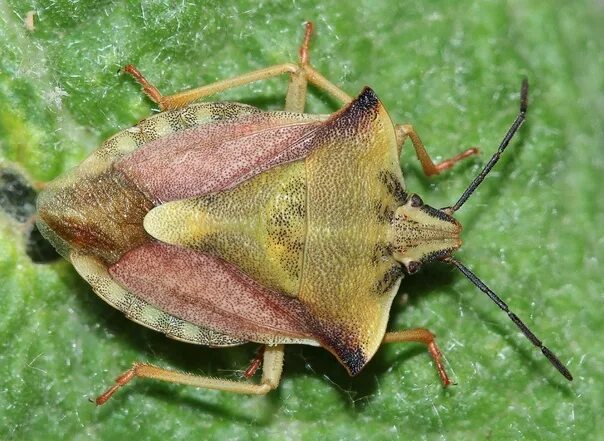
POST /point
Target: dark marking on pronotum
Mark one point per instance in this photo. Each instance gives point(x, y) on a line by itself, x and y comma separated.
point(384, 213)
point(346, 349)
point(381, 251)
point(358, 113)
point(394, 186)
point(389, 278)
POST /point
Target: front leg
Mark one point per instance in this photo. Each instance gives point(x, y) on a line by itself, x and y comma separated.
point(421, 335)
point(404, 131)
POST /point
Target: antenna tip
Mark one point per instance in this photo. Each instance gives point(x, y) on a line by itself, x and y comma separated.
point(524, 95)
point(557, 363)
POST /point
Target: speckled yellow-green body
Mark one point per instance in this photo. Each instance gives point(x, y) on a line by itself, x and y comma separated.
point(297, 238)
point(315, 229)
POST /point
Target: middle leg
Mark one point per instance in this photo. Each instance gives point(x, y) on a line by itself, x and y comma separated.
point(296, 91)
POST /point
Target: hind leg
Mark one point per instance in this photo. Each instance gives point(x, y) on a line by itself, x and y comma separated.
point(300, 75)
point(271, 375)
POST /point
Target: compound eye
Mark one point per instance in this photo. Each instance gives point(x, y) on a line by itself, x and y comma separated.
point(416, 201)
point(413, 267)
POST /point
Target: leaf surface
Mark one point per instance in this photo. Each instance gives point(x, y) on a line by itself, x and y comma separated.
point(533, 231)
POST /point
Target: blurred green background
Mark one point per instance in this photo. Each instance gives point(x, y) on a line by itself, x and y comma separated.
point(533, 232)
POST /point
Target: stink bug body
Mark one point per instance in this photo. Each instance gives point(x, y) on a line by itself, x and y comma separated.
point(221, 224)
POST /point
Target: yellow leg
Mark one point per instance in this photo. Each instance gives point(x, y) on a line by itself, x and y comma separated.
point(183, 98)
point(300, 75)
point(295, 100)
point(271, 375)
point(421, 335)
point(316, 79)
point(404, 131)
point(296, 92)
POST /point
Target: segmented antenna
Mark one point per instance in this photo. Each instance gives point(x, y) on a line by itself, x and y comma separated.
point(553, 359)
point(504, 143)
point(525, 330)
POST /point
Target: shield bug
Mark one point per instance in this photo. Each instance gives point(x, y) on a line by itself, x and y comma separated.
point(218, 223)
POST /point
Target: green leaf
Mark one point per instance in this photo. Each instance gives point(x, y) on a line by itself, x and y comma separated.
point(533, 231)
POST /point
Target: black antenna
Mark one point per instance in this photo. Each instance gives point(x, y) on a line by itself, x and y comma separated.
point(504, 143)
point(525, 330)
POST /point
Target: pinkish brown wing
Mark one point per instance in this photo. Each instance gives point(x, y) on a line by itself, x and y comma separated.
point(218, 155)
point(203, 289)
